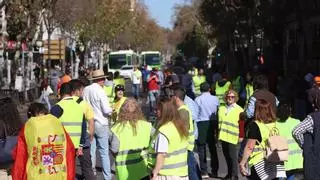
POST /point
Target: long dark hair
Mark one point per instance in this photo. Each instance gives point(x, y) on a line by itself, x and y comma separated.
point(9, 116)
point(283, 112)
point(169, 113)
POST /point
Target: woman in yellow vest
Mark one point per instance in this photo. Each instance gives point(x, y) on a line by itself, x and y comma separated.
point(44, 150)
point(286, 124)
point(130, 139)
point(229, 116)
point(221, 87)
point(197, 81)
point(258, 132)
point(118, 100)
point(118, 79)
point(171, 145)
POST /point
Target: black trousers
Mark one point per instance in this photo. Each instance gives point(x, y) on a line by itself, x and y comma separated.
point(231, 152)
point(207, 136)
point(86, 164)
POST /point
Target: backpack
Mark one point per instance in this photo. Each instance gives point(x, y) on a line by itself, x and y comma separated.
point(276, 149)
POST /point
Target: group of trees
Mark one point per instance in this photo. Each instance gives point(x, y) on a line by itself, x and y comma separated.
point(240, 30)
point(98, 21)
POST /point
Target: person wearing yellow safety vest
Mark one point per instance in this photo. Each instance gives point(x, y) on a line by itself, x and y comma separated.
point(254, 151)
point(77, 87)
point(221, 87)
point(171, 143)
point(228, 133)
point(285, 124)
point(249, 86)
point(44, 149)
point(118, 101)
point(197, 81)
point(117, 79)
point(71, 115)
point(109, 87)
point(179, 95)
point(130, 139)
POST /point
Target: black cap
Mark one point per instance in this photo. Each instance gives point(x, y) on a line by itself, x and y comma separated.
point(204, 87)
point(119, 87)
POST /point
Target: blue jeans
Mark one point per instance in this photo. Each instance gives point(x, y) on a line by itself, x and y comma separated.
point(100, 140)
point(193, 168)
point(135, 90)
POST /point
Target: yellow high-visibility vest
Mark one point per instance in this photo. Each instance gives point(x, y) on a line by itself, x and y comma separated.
point(197, 81)
point(71, 119)
point(220, 91)
point(131, 160)
point(295, 159)
point(175, 163)
point(191, 138)
point(229, 123)
point(257, 154)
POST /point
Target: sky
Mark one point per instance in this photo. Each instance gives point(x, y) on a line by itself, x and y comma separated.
point(162, 10)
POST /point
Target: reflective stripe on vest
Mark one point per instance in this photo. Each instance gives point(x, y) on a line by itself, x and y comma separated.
point(229, 123)
point(197, 81)
point(258, 153)
point(72, 118)
point(191, 138)
point(176, 163)
point(47, 147)
point(131, 160)
point(295, 159)
point(220, 91)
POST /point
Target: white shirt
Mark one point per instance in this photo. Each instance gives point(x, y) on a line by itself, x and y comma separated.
point(96, 97)
point(161, 144)
point(136, 77)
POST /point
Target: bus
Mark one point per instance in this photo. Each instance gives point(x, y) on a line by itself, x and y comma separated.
point(151, 58)
point(117, 59)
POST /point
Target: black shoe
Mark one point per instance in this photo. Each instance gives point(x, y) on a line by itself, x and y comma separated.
point(213, 175)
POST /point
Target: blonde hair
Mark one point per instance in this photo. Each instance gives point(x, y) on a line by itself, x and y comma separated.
point(130, 112)
point(236, 98)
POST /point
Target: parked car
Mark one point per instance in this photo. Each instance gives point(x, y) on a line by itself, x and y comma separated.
point(126, 71)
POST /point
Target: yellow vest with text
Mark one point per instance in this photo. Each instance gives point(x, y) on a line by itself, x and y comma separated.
point(71, 119)
point(220, 91)
point(175, 163)
point(258, 152)
point(110, 93)
point(236, 84)
point(131, 160)
point(119, 81)
point(191, 138)
point(229, 124)
point(295, 159)
point(46, 145)
point(197, 81)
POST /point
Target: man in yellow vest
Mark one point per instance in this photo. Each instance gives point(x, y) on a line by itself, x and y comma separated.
point(117, 79)
point(285, 125)
point(109, 87)
point(77, 87)
point(221, 87)
point(71, 115)
point(197, 81)
point(185, 113)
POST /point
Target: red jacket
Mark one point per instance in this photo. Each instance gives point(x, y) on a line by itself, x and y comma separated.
point(20, 155)
point(153, 83)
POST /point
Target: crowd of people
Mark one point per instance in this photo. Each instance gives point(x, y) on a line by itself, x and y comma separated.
point(193, 114)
